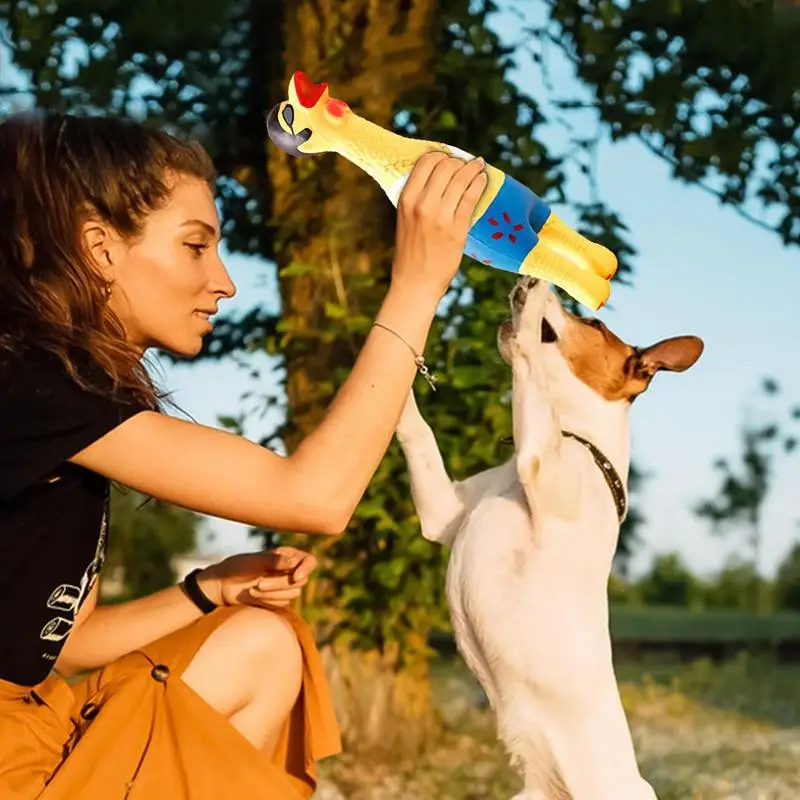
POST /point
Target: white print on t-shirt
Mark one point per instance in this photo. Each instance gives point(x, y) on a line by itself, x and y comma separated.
point(68, 598)
point(56, 629)
point(65, 598)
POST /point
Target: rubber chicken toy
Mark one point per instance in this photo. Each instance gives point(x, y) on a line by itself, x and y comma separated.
point(512, 228)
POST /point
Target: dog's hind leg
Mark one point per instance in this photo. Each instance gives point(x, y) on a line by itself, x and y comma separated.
point(594, 750)
point(519, 726)
point(438, 505)
point(470, 647)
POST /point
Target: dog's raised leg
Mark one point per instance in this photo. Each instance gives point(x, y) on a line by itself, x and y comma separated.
point(435, 497)
point(440, 509)
point(548, 485)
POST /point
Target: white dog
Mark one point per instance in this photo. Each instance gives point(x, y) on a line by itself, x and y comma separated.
point(533, 541)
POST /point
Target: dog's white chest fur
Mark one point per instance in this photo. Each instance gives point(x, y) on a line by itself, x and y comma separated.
point(519, 580)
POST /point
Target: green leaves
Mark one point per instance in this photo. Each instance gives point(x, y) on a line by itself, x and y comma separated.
point(710, 86)
point(669, 582)
point(144, 537)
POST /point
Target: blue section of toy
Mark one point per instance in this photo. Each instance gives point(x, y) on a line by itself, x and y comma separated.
point(508, 229)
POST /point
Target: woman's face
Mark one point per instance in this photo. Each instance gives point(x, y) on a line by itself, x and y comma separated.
point(168, 282)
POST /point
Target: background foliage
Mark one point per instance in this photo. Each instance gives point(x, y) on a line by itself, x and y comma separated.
point(145, 536)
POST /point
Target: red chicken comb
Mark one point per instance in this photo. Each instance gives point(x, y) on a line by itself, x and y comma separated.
point(308, 92)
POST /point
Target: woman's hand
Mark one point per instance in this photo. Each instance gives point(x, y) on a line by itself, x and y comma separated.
point(433, 220)
point(269, 579)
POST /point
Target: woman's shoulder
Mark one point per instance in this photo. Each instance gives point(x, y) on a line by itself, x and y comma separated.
point(25, 363)
point(33, 370)
point(46, 416)
point(19, 360)
point(33, 377)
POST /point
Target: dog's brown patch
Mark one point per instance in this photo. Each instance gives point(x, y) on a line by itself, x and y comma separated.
point(617, 370)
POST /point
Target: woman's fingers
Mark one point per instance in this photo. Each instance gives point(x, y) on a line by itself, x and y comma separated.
point(465, 179)
point(269, 578)
point(469, 200)
point(444, 172)
point(307, 565)
point(273, 583)
point(418, 179)
point(277, 594)
point(291, 560)
point(282, 559)
point(278, 597)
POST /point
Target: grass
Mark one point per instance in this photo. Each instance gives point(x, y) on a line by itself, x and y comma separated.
point(703, 731)
point(654, 624)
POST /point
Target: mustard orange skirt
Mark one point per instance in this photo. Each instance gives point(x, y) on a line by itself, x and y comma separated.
point(135, 731)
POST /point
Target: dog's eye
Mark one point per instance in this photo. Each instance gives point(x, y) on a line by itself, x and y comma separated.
point(593, 322)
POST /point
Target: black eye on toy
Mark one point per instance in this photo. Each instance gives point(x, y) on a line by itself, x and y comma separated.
point(288, 142)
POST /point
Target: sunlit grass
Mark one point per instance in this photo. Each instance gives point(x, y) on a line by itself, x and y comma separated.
point(703, 731)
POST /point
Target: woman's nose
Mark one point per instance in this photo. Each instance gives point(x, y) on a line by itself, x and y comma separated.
point(221, 281)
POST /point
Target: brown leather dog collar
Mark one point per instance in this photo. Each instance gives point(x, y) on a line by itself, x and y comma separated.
point(611, 475)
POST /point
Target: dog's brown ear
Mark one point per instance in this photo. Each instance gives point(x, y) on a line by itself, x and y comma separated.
point(674, 355)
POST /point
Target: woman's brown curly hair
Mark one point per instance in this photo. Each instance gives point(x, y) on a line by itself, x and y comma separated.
point(56, 172)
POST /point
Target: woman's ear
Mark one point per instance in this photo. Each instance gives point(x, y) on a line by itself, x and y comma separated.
point(97, 241)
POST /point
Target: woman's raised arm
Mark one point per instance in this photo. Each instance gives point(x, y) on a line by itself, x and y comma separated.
point(317, 488)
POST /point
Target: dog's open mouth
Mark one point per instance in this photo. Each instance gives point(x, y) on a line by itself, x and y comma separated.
point(548, 334)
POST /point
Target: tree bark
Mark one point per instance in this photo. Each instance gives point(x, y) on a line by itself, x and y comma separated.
point(383, 709)
point(337, 232)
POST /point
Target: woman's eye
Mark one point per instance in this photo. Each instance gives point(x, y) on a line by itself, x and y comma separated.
point(198, 249)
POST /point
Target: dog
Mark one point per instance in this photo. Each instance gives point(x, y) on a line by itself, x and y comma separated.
point(532, 543)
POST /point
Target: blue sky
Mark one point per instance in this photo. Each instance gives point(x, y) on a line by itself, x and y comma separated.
point(700, 269)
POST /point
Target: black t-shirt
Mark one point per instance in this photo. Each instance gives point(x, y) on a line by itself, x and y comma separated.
point(53, 514)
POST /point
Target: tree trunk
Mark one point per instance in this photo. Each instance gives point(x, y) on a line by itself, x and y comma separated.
point(336, 224)
point(337, 232)
point(383, 710)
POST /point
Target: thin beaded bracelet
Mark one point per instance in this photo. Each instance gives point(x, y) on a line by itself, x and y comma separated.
point(419, 359)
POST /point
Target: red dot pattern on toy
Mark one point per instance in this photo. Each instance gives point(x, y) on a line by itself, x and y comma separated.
point(482, 260)
point(336, 108)
point(507, 219)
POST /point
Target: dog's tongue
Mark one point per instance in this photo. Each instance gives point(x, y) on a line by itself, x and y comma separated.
point(308, 92)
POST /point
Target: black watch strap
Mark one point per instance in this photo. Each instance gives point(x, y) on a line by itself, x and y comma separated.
point(195, 593)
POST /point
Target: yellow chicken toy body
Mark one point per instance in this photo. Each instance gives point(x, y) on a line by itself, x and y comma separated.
point(512, 228)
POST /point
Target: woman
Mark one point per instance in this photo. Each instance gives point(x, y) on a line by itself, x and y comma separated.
point(109, 246)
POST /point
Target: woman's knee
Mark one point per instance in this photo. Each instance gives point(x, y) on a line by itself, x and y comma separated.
point(253, 651)
point(264, 637)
